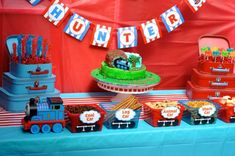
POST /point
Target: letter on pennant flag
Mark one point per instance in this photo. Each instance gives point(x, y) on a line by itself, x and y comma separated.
point(127, 37)
point(172, 18)
point(150, 31)
point(101, 36)
point(56, 12)
point(195, 4)
point(77, 27)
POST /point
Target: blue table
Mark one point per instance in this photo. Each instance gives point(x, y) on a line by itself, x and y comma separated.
point(203, 140)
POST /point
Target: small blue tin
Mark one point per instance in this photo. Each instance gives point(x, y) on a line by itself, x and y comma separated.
point(17, 103)
point(31, 70)
point(17, 85)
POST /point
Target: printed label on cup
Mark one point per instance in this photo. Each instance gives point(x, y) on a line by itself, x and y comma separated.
point(125, 114)
point(170, 112)
point(90, 116)
point(207, 110)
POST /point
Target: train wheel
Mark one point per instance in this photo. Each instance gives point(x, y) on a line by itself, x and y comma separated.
point(46, 128)
point(34, 129)
point(57, 128)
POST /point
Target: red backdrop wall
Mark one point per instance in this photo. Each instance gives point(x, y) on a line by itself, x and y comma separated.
point(171, 57)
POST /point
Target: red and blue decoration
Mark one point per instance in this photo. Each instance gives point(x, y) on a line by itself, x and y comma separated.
point(195, 4)
point(127, 37)
point(77, 27)
point(34, 2)
point(101, 36)
point(150, 31)
point(56, 12)
point(172, 18)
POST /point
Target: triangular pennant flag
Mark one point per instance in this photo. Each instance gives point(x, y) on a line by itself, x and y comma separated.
point(195, 4)
point(127, 37)
point(150, 31)
point(101, 36)
point(34, 2)
point(172, 18)
point(56, 12)
point(77, 27)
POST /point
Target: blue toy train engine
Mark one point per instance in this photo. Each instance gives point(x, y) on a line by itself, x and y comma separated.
point(121, 64)
point(44, 115)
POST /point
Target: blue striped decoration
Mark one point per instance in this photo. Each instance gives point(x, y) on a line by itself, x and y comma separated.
point(77, 36)
point(133, 44)
point(164, 16)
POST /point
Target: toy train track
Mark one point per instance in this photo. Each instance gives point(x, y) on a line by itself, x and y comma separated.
point(125, 89)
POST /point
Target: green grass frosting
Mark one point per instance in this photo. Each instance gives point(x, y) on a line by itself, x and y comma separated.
point(120, 74)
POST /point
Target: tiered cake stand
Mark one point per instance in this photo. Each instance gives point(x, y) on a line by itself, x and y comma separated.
point(126, 87)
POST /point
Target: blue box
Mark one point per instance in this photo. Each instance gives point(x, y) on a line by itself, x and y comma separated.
point(206, 114)
point(15, 85)
point(30, 70)
point(17, 103)
point(114, 120)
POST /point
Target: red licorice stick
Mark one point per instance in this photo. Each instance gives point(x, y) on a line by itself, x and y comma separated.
point(23, 47)
point(14, 51)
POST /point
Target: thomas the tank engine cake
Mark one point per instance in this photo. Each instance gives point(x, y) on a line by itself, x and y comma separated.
point(124, 69)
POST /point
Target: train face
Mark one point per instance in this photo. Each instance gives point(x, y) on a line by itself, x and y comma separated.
point(121, 64)
point(46, 112)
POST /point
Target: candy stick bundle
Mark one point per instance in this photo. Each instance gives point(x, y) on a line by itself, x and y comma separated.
point(130, 102)
point(216, 54)
point(30, 50)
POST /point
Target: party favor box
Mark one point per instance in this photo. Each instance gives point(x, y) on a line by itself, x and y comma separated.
point(227, 111)
point(163, 113)
point(84, 117)
point(200, 112)
point(123, 118)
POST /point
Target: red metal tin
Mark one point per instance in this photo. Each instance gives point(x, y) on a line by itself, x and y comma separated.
point(77, 124)
point(213, 81)
point(196, 92)
point(156, 118)
point(214, 67)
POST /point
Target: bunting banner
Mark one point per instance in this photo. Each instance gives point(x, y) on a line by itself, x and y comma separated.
point(34, 2)
point(150, 31)
point(56, 12)
point(172, 18)
point(195, 4)
point(101, 36)
point(77, 27)
point(127, 37)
